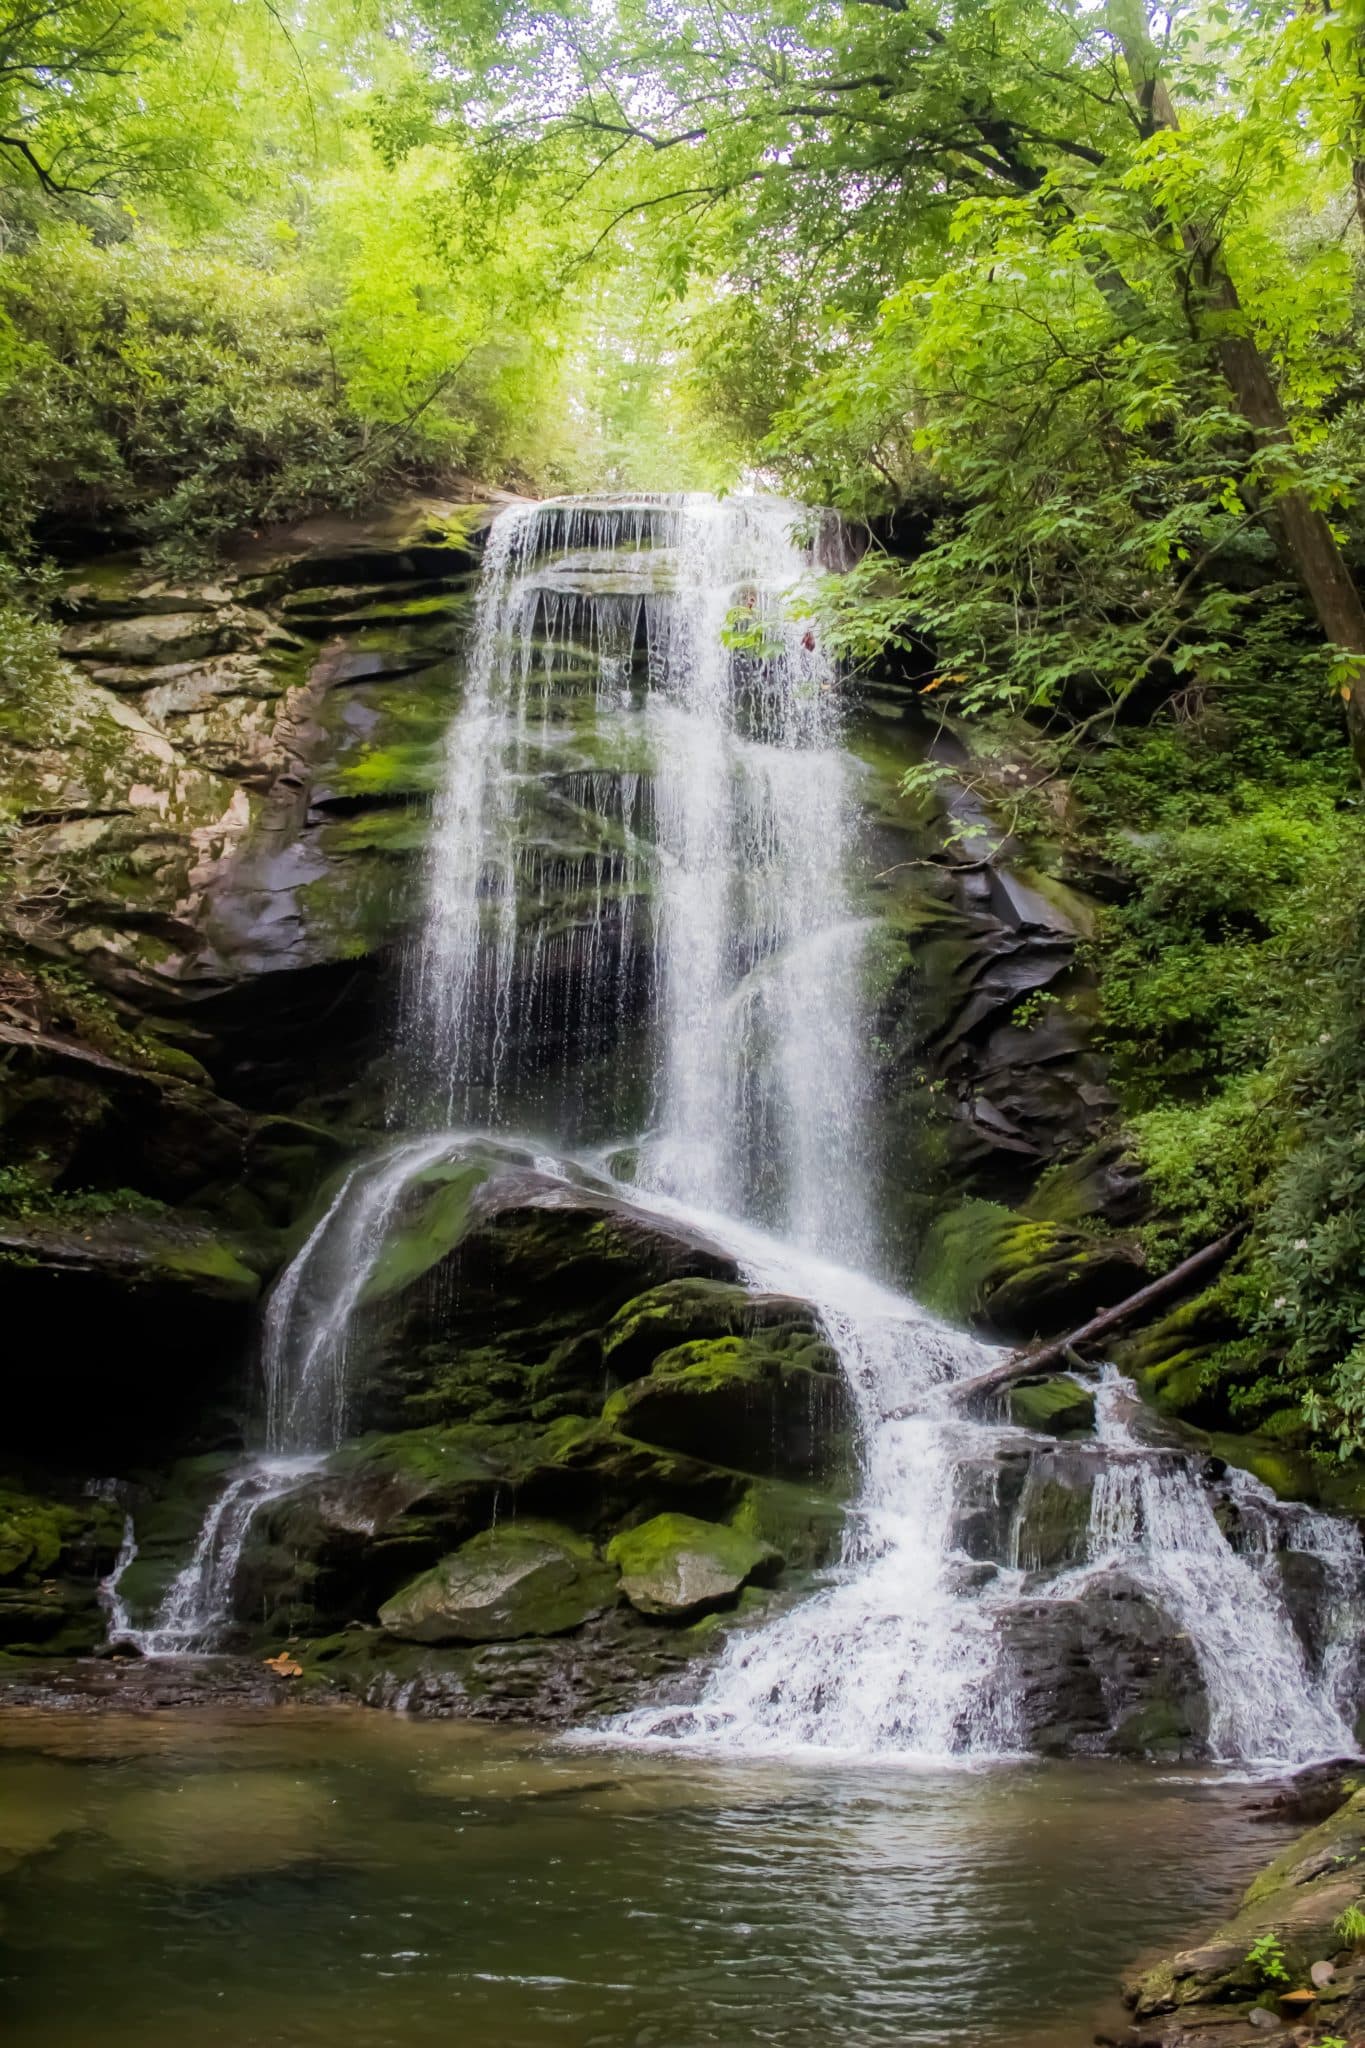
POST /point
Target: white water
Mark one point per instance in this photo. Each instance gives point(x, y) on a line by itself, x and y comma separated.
point(693, 803)
point(758, 1092)
point(308, 1327)
point(1153, 1521)
point(887, 1660)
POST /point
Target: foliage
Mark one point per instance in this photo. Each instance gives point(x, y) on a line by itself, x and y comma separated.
point(24, 1194)
point(1350, 1928)
point(241, 278)
point(1266, 1958)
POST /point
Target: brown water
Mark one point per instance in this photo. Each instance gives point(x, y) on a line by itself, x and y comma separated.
point(359, 1881)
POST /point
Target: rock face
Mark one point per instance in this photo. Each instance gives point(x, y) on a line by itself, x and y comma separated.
point(492, 1342)
point(676, 1567)
point(526, 1579)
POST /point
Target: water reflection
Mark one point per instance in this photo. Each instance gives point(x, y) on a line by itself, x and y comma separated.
point(360, 1881)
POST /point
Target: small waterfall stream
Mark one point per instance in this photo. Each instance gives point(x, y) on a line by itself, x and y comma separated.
point(648, 723)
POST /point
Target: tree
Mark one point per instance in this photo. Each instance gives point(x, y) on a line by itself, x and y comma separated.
point(1307, 532)
point(817, 160)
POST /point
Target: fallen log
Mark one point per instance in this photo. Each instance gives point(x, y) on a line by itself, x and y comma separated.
point(1023, 1364)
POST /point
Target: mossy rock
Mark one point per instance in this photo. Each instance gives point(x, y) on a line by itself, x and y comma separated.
point(768, 1404)
point(675, 1567)
point(806, 1523)
point(683, 1310)
point(52, 1556)
point(1053, 1405)
point(524, 1579)
point(39, 1535)
point(1298, 1900)
point(1053, 1522)
point(420, 1239)
point(1022, 1276)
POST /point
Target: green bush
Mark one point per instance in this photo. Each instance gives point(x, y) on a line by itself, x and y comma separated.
point(163, 394)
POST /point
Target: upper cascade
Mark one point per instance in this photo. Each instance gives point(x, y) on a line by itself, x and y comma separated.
point(689, 715)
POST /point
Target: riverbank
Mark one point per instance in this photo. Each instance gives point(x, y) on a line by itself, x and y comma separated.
point(1289, 1963)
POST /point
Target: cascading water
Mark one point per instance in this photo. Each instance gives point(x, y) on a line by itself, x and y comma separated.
point(308, 1325)
point(643, 875)
point(740, 840)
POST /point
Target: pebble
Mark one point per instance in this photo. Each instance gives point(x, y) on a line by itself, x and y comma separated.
point(1322, 1973)
point(1259, 2017)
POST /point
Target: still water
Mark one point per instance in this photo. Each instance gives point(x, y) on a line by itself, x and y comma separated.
point(359, 1881)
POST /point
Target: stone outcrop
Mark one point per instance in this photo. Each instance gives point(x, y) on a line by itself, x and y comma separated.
point(523, 1579)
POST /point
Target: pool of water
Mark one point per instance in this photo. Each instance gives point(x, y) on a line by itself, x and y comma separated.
point(358, 1881)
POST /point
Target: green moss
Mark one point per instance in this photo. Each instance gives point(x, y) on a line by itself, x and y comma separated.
point(417, 1243)
point(523, 1578)
point(222, 1272)
point(37, 1533)
point(805, 1523)
point(765, 1404)
point(1055, 1406)
point(675, 1565)
point(1027, 1275)
point(403, 768)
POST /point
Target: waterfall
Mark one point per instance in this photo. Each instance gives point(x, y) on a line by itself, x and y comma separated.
point(889, 1659)
point(643, 938)
point(752, 954)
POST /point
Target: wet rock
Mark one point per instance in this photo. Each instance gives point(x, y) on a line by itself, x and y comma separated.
point(222, 1825)
point(766, 1404)
point(1298, 1899)
point(1104, 1673)
point(1055, 1405)
point(1021, 1275)
point(525, 1579)
point(1051, 1526)
point(676, 1567)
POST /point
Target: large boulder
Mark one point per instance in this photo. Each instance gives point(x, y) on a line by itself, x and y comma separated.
point(1104, 1672)
point(773, 1403)
point(675, 1567)
point(524, 1579)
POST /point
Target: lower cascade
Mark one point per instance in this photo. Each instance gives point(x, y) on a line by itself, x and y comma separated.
point(685, 1048)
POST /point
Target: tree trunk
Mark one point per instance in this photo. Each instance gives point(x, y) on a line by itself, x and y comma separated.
point(1305, 531)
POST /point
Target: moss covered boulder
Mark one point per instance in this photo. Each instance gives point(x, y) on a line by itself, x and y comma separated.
point(675, 1567)
point(525, 1579)
point(683, 1311)
point(773, 1403)
point(1022, 1275)
point(52, 1553)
